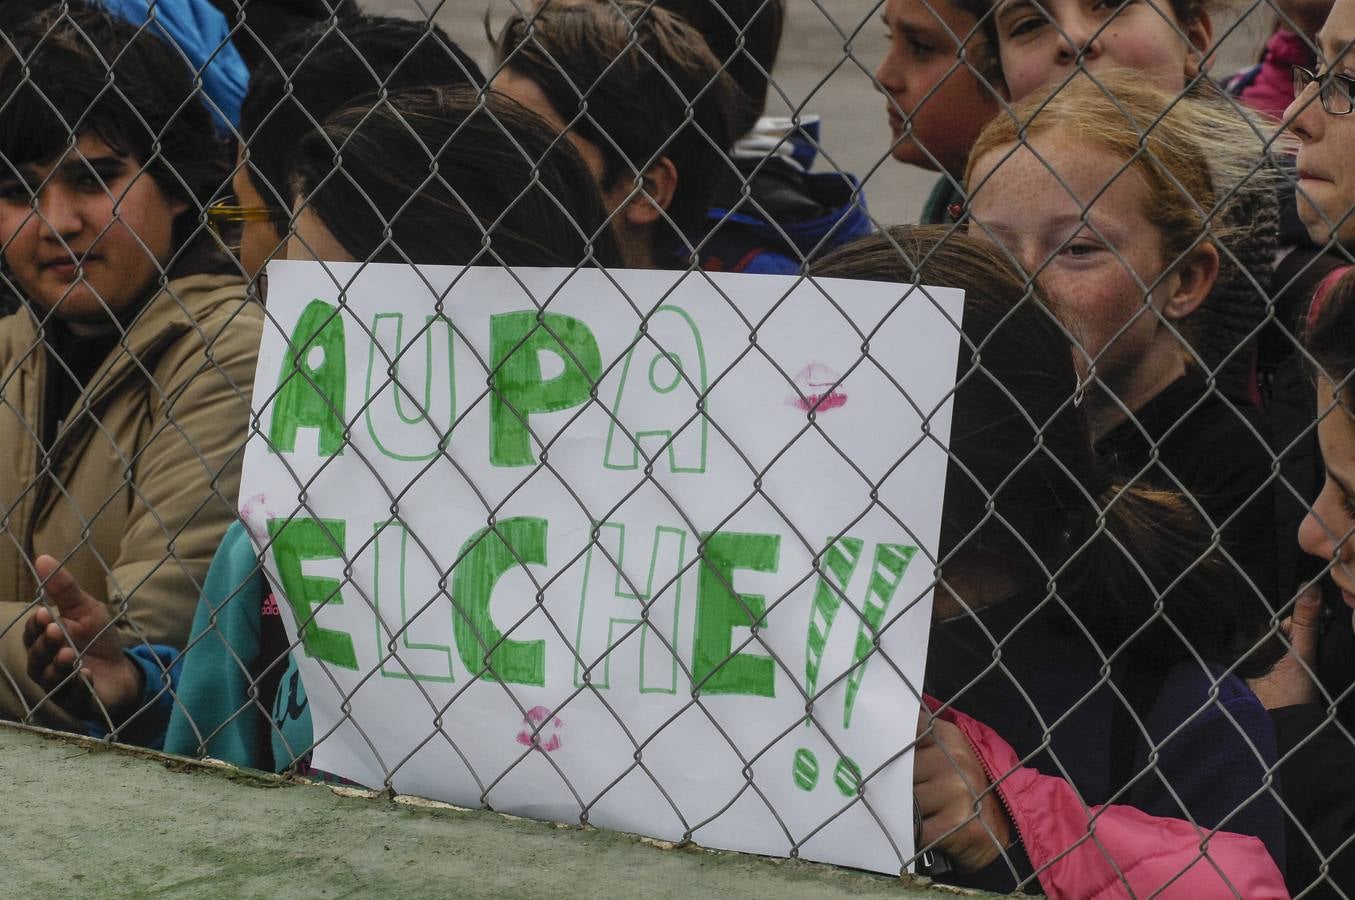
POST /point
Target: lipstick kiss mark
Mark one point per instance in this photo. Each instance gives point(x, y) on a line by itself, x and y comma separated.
point(255, 514)
point(816, 382)
point(548, 738)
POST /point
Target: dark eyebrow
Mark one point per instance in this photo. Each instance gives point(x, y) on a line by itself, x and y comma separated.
point(103, 166)
point(1341, 483)
point(28, 173)
point(1333, 49)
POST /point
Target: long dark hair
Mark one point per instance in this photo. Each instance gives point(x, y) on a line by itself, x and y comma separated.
point(326, 67)
point(449, 175)
point(78, 71)
point(1132, 565)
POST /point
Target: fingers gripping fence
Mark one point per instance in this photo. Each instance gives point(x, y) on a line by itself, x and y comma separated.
point(587, 450)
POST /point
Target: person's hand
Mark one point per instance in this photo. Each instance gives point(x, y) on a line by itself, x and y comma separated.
point(1289, 684)
point(107, 680)
point(948, 781)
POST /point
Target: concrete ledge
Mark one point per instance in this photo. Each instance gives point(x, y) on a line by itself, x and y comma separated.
point(84, 819)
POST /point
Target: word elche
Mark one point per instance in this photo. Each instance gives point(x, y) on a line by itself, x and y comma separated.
point(462, 629)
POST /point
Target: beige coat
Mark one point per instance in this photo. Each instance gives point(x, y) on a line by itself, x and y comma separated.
point(142, 486)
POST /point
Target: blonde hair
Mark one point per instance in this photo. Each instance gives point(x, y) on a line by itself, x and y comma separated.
point(1195, 152)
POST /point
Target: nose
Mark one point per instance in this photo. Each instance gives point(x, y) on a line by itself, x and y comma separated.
point(1315, 535)
point(57, 213)
point(1305, 116)
point(889, 73)
point(1082, 35)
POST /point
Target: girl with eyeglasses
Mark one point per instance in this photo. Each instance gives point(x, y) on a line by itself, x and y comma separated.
point(1320, 117)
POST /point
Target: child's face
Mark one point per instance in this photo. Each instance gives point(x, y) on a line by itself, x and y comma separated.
point(1326, 161)
point(942, 97)
point(1086, 236)
point(1039, 42)
point(87, 234)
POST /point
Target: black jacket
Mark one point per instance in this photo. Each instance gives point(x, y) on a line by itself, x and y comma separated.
point(1317, 771)
point(1218, 453)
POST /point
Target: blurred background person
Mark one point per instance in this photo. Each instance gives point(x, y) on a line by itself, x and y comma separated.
point(646, 103)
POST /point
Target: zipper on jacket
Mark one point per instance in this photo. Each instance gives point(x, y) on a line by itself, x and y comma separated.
point(1001, 799)
point(86, 402)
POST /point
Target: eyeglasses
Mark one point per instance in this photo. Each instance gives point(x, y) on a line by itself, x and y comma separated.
point(1337, 91)
point(226, 220)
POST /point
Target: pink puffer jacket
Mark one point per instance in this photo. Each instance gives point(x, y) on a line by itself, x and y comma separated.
point(1128, 851)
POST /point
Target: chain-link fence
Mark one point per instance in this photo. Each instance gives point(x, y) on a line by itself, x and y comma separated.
point(517, 414)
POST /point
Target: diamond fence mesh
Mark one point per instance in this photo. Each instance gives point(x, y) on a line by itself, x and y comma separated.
point(1100, 478)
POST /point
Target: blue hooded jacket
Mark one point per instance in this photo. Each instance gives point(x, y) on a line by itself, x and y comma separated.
point(777, 214)
point(203, 36)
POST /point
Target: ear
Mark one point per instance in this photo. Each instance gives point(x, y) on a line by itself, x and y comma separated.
point(1191, 282)
point(660, 184)
point(1200, 35)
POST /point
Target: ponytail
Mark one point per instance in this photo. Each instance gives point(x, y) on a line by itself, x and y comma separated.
point(1148, 574)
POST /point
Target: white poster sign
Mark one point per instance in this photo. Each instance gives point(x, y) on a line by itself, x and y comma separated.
point(585, 546)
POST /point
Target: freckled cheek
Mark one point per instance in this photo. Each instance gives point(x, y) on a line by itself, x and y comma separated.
point(1121, 301)
point(1100, 309)
point(1057, 285)
point(1036, 76)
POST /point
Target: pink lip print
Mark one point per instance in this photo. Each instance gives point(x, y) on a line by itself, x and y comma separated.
point(815, 382)
point(548, 738)
point(255, 514)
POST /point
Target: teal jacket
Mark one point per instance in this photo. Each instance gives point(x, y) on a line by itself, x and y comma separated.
point(212, 707)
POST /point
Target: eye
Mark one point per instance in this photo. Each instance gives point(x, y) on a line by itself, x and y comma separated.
point(920, 49)
point(1348, 504)
point(92, 179)
point(14, 191)
point(1345, 84)
point(1082, 247)
point(86, 181)
point(1020, 18)
point(1026, 25)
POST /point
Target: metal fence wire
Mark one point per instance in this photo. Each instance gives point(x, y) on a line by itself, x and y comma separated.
point(1135, 500)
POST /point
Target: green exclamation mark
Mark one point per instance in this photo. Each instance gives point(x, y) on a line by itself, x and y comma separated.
point(839, 562)
point(890, 564)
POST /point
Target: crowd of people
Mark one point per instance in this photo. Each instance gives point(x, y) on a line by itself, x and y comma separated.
point(1142, 666)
